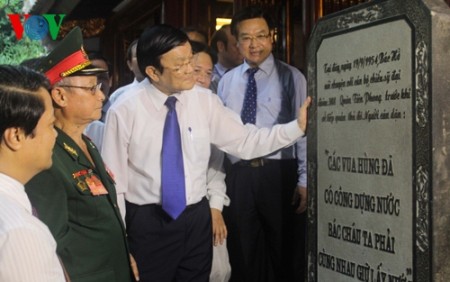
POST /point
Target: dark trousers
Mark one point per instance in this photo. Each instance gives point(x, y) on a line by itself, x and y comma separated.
point(167, 249)
point(265, 239)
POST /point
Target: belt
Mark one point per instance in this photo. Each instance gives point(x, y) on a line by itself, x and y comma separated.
point(160, 206)
point(259, 162)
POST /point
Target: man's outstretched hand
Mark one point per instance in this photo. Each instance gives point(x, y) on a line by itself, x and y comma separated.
point(302, 119)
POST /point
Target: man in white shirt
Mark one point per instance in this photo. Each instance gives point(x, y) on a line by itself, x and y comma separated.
point(133, 66)
point(168, 247)
point(27, 248)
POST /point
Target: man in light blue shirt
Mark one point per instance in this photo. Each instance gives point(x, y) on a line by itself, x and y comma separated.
point(268, 195)
point(224, 44)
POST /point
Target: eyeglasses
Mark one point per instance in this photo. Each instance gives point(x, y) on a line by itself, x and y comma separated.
point(179, 69)
point(247, 39)
point(203, 73)
point(92, 89)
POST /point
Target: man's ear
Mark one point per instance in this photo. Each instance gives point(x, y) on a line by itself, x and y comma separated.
point(272, 36)
point(59, 96)
point(129, 65)
point(221, 46)
point(152, 73)
point(13, 138)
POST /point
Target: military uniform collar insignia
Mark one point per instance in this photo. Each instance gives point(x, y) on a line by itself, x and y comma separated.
point(71, 150)
point(89, 141)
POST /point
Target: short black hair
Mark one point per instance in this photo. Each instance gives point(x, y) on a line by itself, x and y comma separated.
point(219, 36)
point(199, 30)
point(19, 104)
point(155, 42)
point(250, 12)
point(200, 47)
point(95, 55)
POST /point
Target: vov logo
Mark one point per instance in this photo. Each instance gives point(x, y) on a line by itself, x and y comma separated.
point(36, 27)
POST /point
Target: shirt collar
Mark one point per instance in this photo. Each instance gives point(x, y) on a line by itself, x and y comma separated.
point(157, 97)
point(135, 81)
point(67, 144)
point(72, 149)
point(219, 69)
point(14, 190)
point(266, 66)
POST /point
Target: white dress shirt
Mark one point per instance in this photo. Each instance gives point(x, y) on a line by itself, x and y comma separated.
point(121, 90)
point(216, 189)
point(133, 140)
point(27, 248)
point(94, 131)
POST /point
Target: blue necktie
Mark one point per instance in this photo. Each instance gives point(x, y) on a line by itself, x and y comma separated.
point(248, 113)
point(172, 168)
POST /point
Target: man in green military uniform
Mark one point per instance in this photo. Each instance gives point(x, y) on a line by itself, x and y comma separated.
point(76, 197)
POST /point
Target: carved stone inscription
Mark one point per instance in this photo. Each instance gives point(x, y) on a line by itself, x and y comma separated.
point(365, 160)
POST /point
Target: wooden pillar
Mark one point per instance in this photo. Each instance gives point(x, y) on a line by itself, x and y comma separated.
point(173, 12)
point(197, 13)
point(121, 29)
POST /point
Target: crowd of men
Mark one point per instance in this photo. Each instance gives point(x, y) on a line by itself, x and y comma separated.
point(196, 171)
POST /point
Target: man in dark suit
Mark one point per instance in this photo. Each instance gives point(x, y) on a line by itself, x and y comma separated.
point(76, 197)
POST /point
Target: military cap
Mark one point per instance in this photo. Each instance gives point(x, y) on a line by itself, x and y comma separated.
point(68, 58)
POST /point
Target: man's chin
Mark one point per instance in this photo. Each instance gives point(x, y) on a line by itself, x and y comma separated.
point(49, 164)
point(188, 85)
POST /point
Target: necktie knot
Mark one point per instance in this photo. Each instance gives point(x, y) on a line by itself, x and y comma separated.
point(252, 71)
point(170, 102)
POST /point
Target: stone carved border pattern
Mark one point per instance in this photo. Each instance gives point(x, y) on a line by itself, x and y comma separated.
point(421, 84)
point(312, 171)
point(312, 168)
point(364, 16)
point(422, 174)
point(422, 209)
